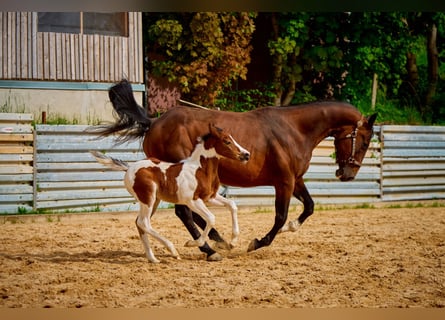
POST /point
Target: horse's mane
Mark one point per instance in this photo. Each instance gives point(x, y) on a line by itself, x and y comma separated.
point(320, 103)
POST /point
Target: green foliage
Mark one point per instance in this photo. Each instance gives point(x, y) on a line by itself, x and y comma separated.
point(245, 100)
point(200, 52)
point(314, 55)
point(22, 210)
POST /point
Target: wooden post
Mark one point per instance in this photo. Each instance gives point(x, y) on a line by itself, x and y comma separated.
point(44, 117)
point(374, 91)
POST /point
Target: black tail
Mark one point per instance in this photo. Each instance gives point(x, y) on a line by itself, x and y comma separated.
point(131, 119)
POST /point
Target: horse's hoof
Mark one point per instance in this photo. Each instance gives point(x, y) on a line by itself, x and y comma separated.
point(194, 243)
point(255, 244)
point(154, 261)
point(214, 257)
point(222, 245)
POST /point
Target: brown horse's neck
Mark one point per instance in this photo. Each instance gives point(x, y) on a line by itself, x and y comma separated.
point(328, 118)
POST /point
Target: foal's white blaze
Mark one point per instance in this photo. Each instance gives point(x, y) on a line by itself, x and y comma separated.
point(239, 146)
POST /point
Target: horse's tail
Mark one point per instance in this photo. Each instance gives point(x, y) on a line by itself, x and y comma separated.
point(113, 163)
point(131, 119)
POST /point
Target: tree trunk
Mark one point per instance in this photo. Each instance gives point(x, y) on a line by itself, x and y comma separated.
point(374, 91)
point(289, 94)
point(411, 68)
point(433, 68)
point(277, 64)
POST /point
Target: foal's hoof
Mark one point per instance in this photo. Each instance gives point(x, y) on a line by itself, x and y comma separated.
point(194, 243)
point(255, 244)
point(214, 257)
point(223, 245)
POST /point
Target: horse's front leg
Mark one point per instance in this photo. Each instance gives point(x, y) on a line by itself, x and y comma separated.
point(200, 207)
point(301, 193)
point(282, 200)
point(185, 214)
point(219, 200)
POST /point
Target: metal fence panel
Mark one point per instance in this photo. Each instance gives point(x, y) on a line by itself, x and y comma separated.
point(68, 177)
point(413, 162)
point(16, 162)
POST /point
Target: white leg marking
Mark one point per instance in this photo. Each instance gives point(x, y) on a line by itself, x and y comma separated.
point(291, 226)
point(144, 226)
point(199, 207)
point(221, 201)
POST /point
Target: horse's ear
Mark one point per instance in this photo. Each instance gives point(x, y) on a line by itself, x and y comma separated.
point(214, 129)
point(371, 119)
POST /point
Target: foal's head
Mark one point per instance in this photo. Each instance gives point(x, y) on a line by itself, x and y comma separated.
point(224, 144)
point(351, 145)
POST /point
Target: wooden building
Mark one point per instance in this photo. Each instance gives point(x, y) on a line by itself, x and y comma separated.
point(62, 63)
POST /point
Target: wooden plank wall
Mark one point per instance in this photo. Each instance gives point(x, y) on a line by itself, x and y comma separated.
point(68, 177)
point(26, 54)
point(16, 162)
point(413, 162)
point(321, 182)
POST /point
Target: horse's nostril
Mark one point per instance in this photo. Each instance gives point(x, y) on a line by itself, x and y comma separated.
point(245, 156)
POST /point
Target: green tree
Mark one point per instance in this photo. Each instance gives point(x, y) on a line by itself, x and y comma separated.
point(306, 50)
point(378, 44)
point(324, 55)
point(426, 67)
point(200, 52)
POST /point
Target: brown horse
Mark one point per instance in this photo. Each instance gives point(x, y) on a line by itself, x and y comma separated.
point(280, 141)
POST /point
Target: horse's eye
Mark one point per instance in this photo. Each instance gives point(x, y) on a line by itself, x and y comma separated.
point(227, 142)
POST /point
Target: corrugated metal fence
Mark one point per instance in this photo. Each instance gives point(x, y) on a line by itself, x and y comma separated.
point(67, 176)
point(50, 169)
point(16, 162)
point(413, 162)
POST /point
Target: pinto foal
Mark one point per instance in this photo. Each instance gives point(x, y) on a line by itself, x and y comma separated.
point(191, 182)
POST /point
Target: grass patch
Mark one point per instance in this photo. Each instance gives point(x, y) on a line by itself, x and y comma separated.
point(263, 210)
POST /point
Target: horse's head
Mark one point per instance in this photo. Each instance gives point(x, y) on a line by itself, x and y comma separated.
point(351, 145)
point(225, 145)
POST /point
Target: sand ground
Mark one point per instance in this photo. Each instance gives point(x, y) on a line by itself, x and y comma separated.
point(340, 257)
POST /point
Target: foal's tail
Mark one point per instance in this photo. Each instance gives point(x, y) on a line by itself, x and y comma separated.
point(131, 119)
point(113, 163)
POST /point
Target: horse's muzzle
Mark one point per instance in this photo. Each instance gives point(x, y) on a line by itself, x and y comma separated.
point(345, 174)
point(245, 156)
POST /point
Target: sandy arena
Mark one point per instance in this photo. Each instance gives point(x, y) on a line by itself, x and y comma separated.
point(382, 257)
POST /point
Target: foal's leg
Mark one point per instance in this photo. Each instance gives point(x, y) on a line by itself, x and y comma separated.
point(301, 193)
point(185, 214)
point(200, 207)
point(143, 223)
point(282, 200)
point(221, 201)
point(213, 234)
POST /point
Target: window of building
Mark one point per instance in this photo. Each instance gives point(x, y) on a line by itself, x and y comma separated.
point(110, 24)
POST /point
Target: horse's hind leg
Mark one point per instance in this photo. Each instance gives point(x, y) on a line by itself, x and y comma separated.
point(144, 227)
point(185, 214)
point(143, 234)
point(213, 234)
point(301, 193)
